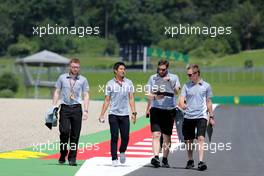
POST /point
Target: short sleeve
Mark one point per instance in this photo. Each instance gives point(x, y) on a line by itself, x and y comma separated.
point(184, 90)
point(58, 84)
point(85, 86)
point(177, 82)
point(108, 89)
point(131, 87)
point(209, 92)
point(149, 85)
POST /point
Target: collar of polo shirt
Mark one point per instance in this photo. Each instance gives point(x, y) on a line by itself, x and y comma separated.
point(200, 82)
point(158, 75)
point(123, 80)
point(69, 76)
point(119, 82)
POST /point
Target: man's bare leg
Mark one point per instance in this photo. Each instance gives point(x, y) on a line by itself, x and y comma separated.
point(189, 147)
point(156, 143)
point(166, 150)
point(156, 149)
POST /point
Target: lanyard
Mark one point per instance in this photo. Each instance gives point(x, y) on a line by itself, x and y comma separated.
point(72, 86)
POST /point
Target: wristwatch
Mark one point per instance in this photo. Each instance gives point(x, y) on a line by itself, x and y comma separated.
point(86, 111)
point(134, 113)
point(211, 116)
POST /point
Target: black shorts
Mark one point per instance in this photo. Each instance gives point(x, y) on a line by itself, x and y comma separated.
point(189, 126)
point(162, 120)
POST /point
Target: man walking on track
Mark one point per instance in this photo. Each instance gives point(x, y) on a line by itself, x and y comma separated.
point(119, 95)
point(197, 93)
point(162, 90)
point(70, 87)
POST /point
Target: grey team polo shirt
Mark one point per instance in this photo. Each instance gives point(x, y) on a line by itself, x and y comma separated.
point(196, 95)
point(63, 83)
point(119, 96)
point(155, 81)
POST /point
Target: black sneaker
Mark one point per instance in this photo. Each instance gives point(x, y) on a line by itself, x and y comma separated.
point(61, 160)
point(165, 163)
point(72, 163)
point(155, 162)
point(190, 164)
point(202, 166)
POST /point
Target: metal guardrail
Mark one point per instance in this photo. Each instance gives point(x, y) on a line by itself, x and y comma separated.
point(239, 100)
point(236, 100)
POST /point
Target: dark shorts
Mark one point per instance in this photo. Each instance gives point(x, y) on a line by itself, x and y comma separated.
point(189, 126)
point(162, 120)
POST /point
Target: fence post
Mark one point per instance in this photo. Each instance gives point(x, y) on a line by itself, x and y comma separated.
point(145, 60)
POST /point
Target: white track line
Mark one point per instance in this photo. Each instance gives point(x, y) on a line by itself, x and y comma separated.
point(144, 143)
point(139, 148)
point(101, 166)
point(147, 140)
point(137, 153)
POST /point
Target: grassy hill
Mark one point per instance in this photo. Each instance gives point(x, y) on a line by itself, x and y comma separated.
point(237, 60)
point(91, 55)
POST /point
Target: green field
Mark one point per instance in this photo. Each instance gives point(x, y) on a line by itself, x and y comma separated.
point(224, 84)
point(237, 60)
point(92, 60)
point(223, 88)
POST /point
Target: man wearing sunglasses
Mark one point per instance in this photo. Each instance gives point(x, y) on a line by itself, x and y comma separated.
point(162, 88)
point(195, 100)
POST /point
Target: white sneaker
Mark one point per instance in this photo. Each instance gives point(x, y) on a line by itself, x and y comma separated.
point(114, 163)
point(122, 158)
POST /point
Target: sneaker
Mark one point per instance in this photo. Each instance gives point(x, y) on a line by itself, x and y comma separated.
point(202, 166)
point(72, 163)
point(114, 163)
point(61, 160)
point(181, 144)
point(165, 163)
point(190, 164)
point(155, 162)
point(122, 158)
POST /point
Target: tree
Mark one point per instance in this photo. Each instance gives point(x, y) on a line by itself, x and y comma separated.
point(247, 22)
point(6, 30)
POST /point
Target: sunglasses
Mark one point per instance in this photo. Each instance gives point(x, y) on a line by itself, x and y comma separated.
point(192, 74)
point(162, 69)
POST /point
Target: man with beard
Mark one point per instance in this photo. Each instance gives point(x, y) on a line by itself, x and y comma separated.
point(162, 89)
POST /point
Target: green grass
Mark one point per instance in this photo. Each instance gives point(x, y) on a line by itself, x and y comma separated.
point(96, 62)
point(237, 89)
point(91, 55)
point(32, 167)
point(238, 84)
point(43, 167)
point(6, 64)
point(235, 60)
point(220, 88)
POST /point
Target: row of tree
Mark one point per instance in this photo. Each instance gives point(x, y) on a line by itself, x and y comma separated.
point(140, 21)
